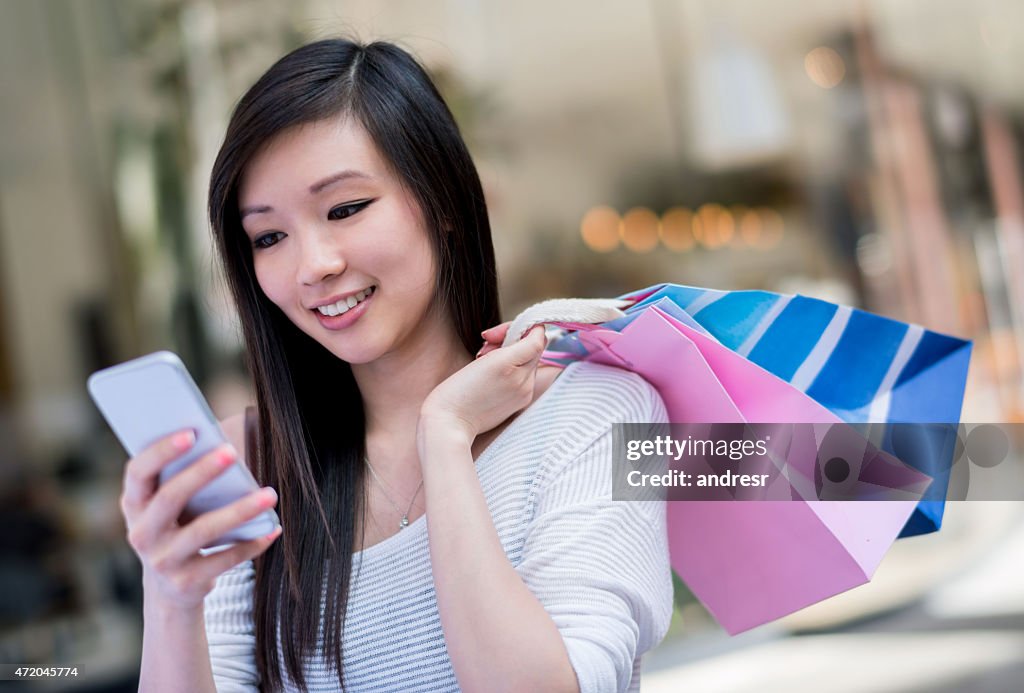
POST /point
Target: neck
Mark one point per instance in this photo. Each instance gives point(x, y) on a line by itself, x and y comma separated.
point(394, 387)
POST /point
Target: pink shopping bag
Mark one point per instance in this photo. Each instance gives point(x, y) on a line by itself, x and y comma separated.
point(750, 562)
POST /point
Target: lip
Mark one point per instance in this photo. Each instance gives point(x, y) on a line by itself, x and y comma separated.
point(340, 322)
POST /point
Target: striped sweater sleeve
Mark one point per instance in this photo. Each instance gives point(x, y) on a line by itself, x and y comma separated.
point(600, 567)
point(230, 631)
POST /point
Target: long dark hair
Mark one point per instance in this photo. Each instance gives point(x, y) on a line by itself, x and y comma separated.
point(310, 454)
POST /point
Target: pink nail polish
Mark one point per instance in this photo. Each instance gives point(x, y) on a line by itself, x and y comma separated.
point(184, 440)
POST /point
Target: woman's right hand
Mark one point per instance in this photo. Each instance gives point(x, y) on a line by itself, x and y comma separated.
point(174, 573)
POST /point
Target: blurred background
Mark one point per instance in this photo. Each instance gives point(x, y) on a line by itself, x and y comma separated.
point(868, 153)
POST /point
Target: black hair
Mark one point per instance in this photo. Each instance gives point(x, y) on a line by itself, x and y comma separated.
point(313, 458)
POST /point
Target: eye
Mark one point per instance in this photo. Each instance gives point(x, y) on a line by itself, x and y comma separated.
point(267, 239)
point(345, 211)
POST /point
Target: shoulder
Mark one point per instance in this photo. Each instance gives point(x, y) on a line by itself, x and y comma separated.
point(576, 459)
point(620, 394)
point(583, 406)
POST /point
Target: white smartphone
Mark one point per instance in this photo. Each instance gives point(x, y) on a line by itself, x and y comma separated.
point(148, 398)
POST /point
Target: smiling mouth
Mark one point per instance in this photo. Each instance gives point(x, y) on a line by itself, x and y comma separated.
point(346, 304)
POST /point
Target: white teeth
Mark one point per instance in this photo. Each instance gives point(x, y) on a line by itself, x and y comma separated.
point(344, 305)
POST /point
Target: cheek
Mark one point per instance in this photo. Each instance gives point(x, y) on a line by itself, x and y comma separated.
point(403, 261)
point(424, 269)
point(272, 281)
point(422, 265)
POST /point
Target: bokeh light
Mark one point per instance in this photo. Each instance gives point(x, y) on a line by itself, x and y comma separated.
point(750, 228)
point(640, 230)
point(600, 229)
point(677, 229)
point(713, 226)
point(825, 67)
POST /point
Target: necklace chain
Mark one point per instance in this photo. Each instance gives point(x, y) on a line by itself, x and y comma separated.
point(404, 522)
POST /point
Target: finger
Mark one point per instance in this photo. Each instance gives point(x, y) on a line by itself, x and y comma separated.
point(496, 334)
point(170, 500)
point(211, 566)
point(494, 337)
point(529, 348)
point(142, 472)
point(203, 530)
point(486, 349)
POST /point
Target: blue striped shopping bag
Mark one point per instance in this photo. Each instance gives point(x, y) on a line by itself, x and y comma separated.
point(863, 367)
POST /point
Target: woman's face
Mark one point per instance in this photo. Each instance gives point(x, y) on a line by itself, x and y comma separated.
point(333, 231)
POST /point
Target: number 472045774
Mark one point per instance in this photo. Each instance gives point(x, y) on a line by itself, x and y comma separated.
point(39, 672)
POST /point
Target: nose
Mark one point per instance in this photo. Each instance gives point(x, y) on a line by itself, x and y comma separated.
point(320, 258)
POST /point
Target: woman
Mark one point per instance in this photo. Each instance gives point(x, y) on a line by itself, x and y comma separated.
point(452, 512)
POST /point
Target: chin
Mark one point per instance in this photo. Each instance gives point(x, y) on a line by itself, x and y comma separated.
point(359, 358)
point(355, 354)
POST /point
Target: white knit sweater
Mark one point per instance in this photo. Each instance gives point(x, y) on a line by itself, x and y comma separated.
point(600, 567)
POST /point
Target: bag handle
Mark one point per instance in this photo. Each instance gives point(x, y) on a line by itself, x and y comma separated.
point(571, 313)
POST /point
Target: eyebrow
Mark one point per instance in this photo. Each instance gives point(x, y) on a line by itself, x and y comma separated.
point(314, 189)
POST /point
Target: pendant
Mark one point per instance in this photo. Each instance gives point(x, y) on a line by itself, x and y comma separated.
point(404, 523)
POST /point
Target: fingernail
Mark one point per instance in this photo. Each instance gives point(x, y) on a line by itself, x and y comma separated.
point(185, 439)
point(275, 534)
point(225, 457)
point(268, 496)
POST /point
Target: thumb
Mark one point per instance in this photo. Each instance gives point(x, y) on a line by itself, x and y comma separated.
point(529, 347)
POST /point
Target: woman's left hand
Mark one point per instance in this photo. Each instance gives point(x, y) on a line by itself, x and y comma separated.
point(496, 385)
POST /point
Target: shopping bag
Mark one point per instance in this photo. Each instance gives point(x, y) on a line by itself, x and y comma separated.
point(750, 562)
point(864, 368)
